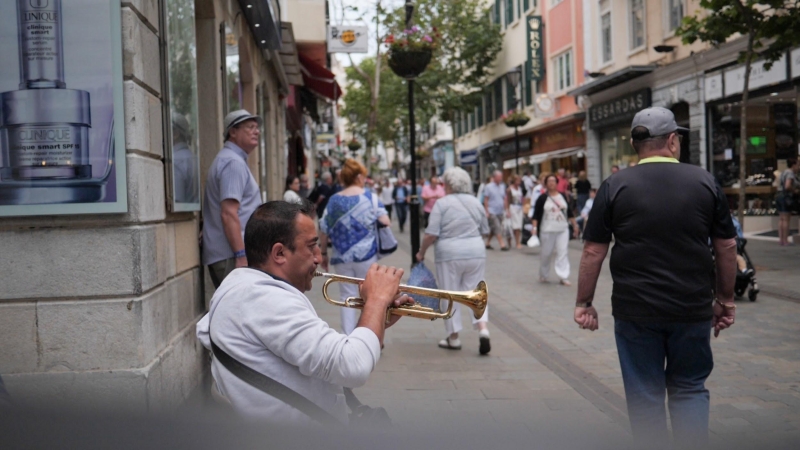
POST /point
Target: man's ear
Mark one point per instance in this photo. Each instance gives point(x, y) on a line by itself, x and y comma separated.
point(278, 253)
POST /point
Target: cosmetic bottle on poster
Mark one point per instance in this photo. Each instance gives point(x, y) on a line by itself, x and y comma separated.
point(45, 154)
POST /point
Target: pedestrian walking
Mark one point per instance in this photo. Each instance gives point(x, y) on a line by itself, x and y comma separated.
point(457, 224)
point(400, 196)
point(563, 182)
point(231, 196)
point(587, 208)
point(786, 200)
point(349, 222)
point(553, 214)
point(292, 192)
point(304, 189)
point(261, 318)
point(582, 188)
point(513, 207)
point(494, 200)
point(528, 182)
point(430, 194)
point(322, 193)
point(386, 196)
point(661, 215)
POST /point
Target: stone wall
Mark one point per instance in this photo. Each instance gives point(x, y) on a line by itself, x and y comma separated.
point(101, 309)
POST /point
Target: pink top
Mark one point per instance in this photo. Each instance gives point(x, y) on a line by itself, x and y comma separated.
point(436, 194)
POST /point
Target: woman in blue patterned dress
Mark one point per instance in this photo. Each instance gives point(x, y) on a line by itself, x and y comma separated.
point(349, 223)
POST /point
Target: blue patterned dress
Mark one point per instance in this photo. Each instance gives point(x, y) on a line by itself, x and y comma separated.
point(349, 222)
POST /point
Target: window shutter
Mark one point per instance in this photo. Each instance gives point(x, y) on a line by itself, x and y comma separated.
point(509, 96)
point(497, 12)
point(526, 5)
point(528, 85)
point(509, 11)
point(480, 114)
point(498, 98)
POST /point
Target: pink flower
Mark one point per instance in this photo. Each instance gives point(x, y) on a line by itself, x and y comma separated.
point(427, 38)
point(415, 28)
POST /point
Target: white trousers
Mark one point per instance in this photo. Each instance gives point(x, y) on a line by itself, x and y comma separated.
point(358, 270)
point(555, 243)
point(460, 275)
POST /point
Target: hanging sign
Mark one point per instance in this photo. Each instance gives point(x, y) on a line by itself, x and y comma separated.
point(348, 39)
point(535, 53)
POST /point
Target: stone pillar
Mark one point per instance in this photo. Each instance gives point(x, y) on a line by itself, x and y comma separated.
point(101, 309)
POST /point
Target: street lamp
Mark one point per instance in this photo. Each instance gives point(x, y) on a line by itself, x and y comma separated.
point(513, 78)
point(412, 145)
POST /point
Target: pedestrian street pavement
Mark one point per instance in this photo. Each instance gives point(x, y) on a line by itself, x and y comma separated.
point(544, 374)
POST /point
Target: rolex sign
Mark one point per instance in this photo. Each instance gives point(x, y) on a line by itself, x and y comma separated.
point(347, 39)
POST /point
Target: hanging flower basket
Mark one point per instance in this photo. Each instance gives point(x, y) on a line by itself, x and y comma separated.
point(354, 145)
point(515, 119)
point(422, 154)
point(411, 52)
point(409, 64)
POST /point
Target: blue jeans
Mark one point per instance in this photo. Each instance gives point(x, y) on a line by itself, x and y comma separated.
point(666, 358)
point(402, 212)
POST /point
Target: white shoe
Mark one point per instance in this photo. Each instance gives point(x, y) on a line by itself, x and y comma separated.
point(450, 344)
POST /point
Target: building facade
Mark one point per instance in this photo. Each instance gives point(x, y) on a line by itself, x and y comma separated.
point(544, 41)
point(101, 309)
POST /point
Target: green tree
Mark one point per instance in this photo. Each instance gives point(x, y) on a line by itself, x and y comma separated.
point(766, 24)
point(463, 62)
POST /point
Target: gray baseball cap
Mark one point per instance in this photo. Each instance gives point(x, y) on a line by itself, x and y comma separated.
point(658, 121)
point(236, 117)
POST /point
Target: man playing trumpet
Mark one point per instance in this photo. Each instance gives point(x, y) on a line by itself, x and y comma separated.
point(260, 317)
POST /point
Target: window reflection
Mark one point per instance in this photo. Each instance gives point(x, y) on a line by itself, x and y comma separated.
point(182, 63)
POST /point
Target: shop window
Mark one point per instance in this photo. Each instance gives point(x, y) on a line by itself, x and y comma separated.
point(771, 140)
point(636, 23)
point(605, 36)
point(563, 74)
point(232, 85)
point(674, 14)
point(616, 150)
point(180, 104)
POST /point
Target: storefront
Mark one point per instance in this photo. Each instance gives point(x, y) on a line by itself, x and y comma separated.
point(771, 134)
point(611, 120)
point(560, 146)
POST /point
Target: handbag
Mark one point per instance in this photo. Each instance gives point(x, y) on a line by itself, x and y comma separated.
point(387, 243)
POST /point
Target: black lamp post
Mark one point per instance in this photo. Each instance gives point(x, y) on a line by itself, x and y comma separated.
point(513, 78)
point(412, 145)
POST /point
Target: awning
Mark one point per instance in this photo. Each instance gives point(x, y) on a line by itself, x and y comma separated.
point(612, 80)
point(468, 157)
point(263, 19)
point(542, 157)
point(319, 79)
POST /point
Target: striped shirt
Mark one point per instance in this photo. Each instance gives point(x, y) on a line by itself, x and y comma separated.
point(228, 178)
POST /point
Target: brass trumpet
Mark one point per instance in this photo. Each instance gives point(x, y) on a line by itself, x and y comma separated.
point(476, 300)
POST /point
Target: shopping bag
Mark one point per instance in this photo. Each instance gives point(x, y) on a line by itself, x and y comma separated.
point(421, 276)
point(533, 241)
point(508, 232)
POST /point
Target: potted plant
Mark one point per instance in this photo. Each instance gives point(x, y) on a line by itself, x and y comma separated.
point(353, 145)
point(515, 118)
point(411, 51)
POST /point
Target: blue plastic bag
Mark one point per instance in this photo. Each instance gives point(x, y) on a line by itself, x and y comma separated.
point(421, 276)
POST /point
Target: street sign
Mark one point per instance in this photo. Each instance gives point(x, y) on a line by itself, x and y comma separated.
point(348, 39)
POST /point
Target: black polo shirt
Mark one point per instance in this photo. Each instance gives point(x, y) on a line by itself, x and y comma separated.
point(661, 215)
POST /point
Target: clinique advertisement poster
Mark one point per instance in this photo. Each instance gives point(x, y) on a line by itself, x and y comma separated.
point(62, 147)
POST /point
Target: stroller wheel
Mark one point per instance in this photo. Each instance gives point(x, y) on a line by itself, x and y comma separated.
point(752, 294)
point(739, 292)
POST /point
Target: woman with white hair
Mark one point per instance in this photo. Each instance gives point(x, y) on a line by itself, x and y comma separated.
point(456, 226)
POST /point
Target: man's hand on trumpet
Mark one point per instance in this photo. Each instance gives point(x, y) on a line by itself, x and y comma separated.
point(380, 291)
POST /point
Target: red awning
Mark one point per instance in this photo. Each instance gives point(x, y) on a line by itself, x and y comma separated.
point(319, 79)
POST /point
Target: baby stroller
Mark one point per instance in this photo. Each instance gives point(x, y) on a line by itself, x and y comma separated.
point(747, 277)
point(745, 271)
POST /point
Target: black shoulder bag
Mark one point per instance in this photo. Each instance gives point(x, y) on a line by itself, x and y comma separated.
point(361, 415)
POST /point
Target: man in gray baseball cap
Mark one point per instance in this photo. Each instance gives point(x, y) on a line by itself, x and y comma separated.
point(231, 196)
point(661, 215)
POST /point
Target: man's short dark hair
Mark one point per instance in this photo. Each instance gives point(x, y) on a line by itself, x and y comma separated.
point(593, 190)
point(791, 162)
point(270, 224)
point(643, 141)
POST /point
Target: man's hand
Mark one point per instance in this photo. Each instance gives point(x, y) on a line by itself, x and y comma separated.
point(400, 299)
point(723, 317)
point(241, 262)
point(586, 318)
point(381, 285)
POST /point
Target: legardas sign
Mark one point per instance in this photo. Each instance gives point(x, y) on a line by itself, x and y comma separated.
point(621, 109)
